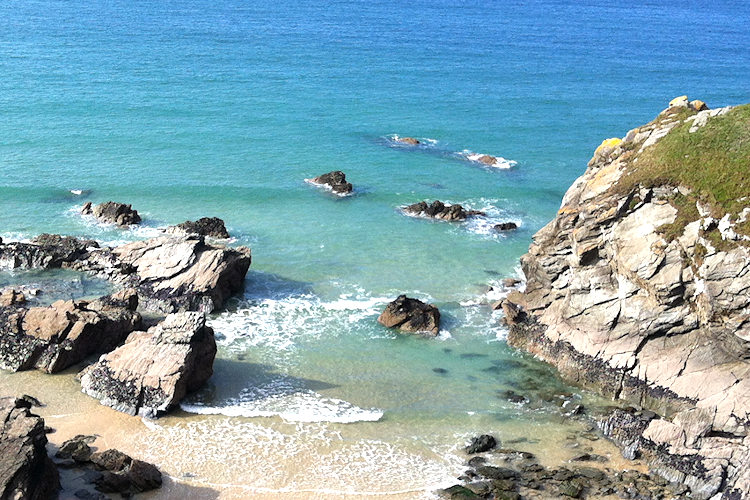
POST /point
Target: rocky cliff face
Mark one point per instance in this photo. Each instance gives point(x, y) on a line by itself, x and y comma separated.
point(640, 289)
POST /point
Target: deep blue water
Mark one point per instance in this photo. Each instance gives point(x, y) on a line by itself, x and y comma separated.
point(223, 108)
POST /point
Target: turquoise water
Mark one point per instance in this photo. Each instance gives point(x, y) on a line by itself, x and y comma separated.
point(190, 109)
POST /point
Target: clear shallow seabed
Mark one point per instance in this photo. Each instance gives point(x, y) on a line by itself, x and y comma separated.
point(195, 109)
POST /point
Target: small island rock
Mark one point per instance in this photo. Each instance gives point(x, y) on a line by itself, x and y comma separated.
point(411, 315)
point(336, 181)
point(212, 227)
point(505, 226)
point(411, 141)
point(439, 210)
point(112, 212)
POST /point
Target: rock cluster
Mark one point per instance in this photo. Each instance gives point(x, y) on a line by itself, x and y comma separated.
point(109, 471)
point(411, 315)
point(439, 210)
point(661, 322)
point(55, 337)
point(335, 181)
point(25, 469)
point(411, 141)
point(211, 227)
point(154, 370)
point(170, 273)
point(112, 212)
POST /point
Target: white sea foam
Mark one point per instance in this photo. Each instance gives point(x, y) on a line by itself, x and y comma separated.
point(498, 162)
point(282, 398)
point(395, 140)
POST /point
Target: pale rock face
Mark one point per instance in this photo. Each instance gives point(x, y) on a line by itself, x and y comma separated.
point(154, 370)
point(617, 307)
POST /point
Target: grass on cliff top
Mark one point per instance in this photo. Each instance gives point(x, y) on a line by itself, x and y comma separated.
point(713, 162)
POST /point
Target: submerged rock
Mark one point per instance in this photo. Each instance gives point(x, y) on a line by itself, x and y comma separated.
point(112, 212)
point(26, 472)
point(411, 141)
point(55, 337)
point(212, 227)
point(439, 210)
point(411, 315)
point(335, 181)
point(154, 370)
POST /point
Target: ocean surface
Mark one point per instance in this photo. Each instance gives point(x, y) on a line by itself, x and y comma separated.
point(223, 108)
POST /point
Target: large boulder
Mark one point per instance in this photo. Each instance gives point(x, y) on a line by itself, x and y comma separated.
point(54, 337)
point(171, 272)
point(183, 273)
point(411, 315)
point(439, 210)
point(154, 370)
point(335, 181)
point(26, 472)
point(112, 212)
point(212, 227)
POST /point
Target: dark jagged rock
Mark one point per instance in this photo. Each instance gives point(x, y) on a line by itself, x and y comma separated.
point(154, 370)
point(411, 315)
point(77, 449)
point(212, 227)
point(439, 210)
point(480, 444)
point(55, 337)
point(46, 251)
point(505, 226)
point(336, 181)
point(112, 212)
point(26, 472)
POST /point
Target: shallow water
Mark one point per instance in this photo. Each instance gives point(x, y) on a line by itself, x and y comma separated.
point(224, 108)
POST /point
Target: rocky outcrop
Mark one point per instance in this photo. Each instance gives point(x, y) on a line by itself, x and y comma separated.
point(335, 181)
point(411, 315)
point(633, 292)
point(439, 210)
point(184, 273)
point(212, 227)
point(109, 471)
point(154, 370)
point(170, 273)
point(112, 212)
point(25, 470)
point(55, 337)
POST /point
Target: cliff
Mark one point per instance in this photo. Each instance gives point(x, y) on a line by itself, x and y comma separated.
point(640, 289)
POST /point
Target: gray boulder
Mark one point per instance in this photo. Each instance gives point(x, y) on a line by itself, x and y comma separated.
point(411, 315)
point(112, 212)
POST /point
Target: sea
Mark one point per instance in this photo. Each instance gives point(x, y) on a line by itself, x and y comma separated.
point(223, 108)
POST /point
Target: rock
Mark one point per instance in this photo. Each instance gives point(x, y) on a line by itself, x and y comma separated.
point(112, 212)
point(183, 273)
point(505, 226)
point(411, 141)
point(679, 102)
point(438, 210)
point(411, 315)
point(170, 273)
point(154, 370)
point(336, 181)
point(54, 337)
point(77, 448)
point(698, 105)
point(620, 307)
point(458, 492)
point(511, 282)
point(122, 474)
point(480, 444)
point(487, 159)
point(10, 297)
point(26, 472)
point(211, 227)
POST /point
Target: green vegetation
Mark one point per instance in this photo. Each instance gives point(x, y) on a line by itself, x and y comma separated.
point(713, 163)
